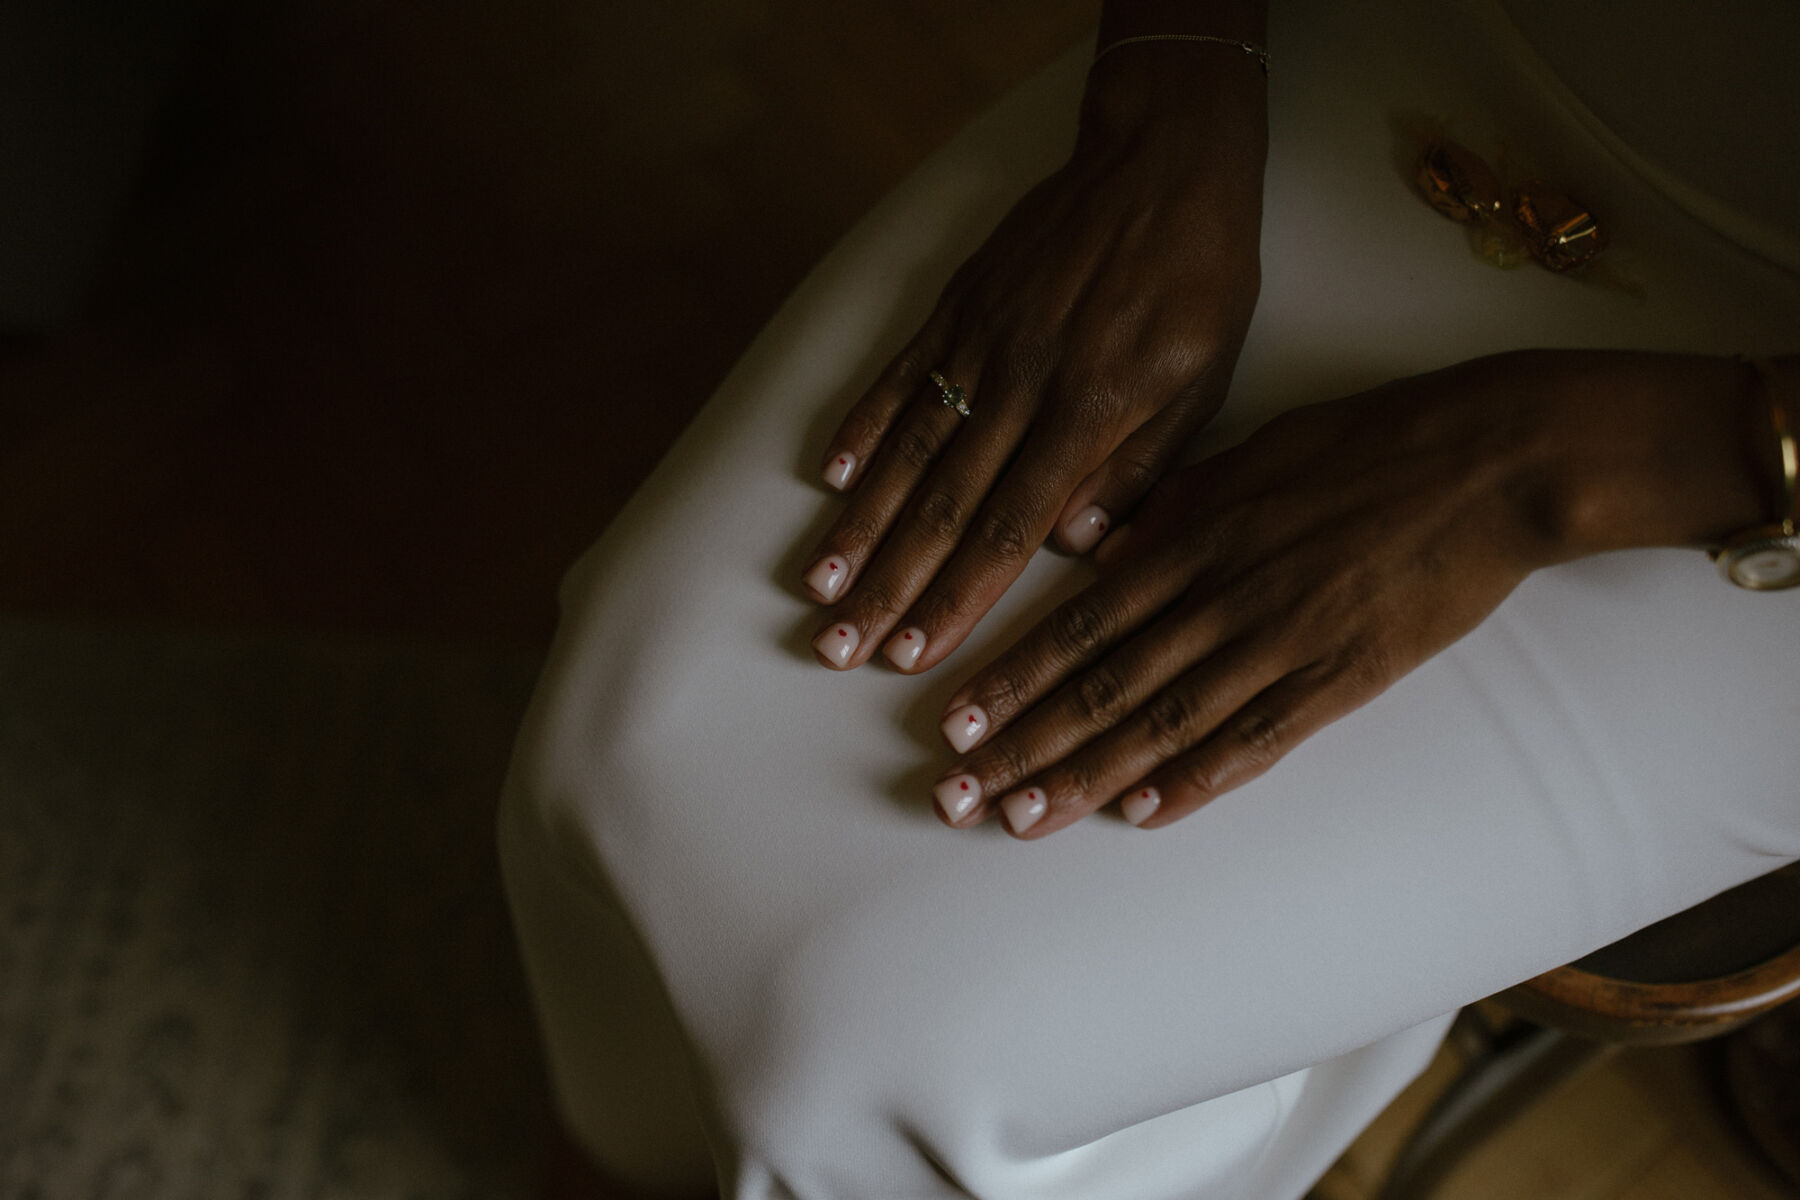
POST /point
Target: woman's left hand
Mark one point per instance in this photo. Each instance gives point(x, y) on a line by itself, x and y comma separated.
point(1277, 586)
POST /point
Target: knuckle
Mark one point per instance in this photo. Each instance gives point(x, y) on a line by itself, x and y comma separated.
point(912, 447)
point(1101, 696)
point(1077, 629)
point(1004, 762)
point(1002, 696)
point(1170, 716)
point(1257, 739)
point(939, 609)
point(1073, 787)
point(1004, 532)
point(875, 598)
point(858, 534)
point(908, 367)
point(939, 513)
point(1199, 776)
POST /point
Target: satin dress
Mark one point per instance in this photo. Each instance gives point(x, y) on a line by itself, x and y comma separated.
point(762, 964)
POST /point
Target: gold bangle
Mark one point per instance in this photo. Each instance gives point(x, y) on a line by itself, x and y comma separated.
point(1251, 48)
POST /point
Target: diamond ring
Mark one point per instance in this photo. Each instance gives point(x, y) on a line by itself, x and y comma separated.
point(952, 394)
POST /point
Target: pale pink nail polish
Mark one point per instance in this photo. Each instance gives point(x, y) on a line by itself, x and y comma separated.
point(964, 727)
point(904, 648)
point(837, 643)
point(1086, 528)
point(827, 576)
point(1141, 805)
point(839, 470)
point(1024, 809)
point(957, 796)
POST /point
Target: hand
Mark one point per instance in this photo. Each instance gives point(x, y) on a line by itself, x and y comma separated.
point(1093, 332)
point(1279, 585)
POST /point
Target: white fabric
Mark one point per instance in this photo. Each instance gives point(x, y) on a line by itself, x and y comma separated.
point(755, 950)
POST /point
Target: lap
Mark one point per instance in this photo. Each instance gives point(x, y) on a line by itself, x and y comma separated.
point(727, 851)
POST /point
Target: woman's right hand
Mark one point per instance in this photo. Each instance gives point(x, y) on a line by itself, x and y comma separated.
point(1277, 586)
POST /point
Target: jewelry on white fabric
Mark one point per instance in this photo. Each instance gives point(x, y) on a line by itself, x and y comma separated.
point(953, 394)
point(1766, 558)
point(1251, 48)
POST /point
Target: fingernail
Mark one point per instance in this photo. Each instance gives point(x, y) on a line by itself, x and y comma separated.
point(837, 644)
point(964, 727)
point(904, 648)
point(1141, 805)
point(1086, 528)
point(957, 796)
point(827, 576)
point(1024, 809)
point(839, 470)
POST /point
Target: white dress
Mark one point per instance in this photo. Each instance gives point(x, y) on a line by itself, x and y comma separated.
point(759, 958)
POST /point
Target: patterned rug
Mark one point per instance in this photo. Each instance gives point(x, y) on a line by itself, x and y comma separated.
point(251, 937)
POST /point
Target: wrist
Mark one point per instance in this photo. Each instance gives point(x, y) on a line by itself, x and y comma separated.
point(1651, 450)
point(1173, 83)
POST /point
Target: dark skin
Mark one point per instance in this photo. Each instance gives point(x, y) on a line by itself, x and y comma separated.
point(1275, 587)
point(1281, 584)
point(1271, 588)
point(1096, 330)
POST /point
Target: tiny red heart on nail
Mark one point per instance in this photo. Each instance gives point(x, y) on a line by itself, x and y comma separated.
point(843, 633)
point(965, 786)
point(907, 636)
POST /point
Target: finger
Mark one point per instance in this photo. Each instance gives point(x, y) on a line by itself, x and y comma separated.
point(1108, 496)
point(935, 518)
point(1246, 744)
point(853, 446)
point(1085, 706)
point(1075, 635)
point(906, 454)
point(1012, 523)
point(1172, 721)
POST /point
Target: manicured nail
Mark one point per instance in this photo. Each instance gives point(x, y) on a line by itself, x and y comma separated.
point(1141, 805)
point(837, 643)
point(957, 796)
point(1086, 528)
point(827, 576)
point(904, 648)
point(964, 727)
point(839, 470)
point(1024, 809)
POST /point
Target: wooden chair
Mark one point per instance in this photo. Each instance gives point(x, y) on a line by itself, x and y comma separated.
point(1699, 974)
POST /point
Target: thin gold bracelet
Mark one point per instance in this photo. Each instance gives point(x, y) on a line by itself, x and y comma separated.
point(1251, 48)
